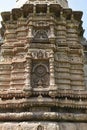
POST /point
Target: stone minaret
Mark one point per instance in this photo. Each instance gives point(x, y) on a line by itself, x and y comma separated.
point(41, 68)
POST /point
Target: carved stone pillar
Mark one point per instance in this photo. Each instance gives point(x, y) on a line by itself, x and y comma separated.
point(34, 9)
point(61, 31)
point(51, 64)
point(48, 9)
point(52, 87)
point(30, 35)
point(52, 31)
point(28, 73)
point(52, 35)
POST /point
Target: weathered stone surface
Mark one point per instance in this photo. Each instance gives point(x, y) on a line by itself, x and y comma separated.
point(41, 68)
point(29, 126)
point(67, 126)
point(43, 126)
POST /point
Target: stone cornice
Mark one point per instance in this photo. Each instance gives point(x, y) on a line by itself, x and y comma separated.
point(28, 9)
point(44, 116)
point(77, 100)
point(39, 101)
point(20, 16)
point(75, 94)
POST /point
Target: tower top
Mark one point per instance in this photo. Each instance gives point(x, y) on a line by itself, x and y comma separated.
point(63, 3)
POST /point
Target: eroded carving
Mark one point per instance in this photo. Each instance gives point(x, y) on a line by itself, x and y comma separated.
point(40, 73)
point(41, 54)
point(40, 36)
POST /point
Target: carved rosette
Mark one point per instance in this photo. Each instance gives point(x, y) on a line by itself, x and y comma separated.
point(40, 73)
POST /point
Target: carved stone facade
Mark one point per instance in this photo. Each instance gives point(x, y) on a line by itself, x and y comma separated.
point(42, 84)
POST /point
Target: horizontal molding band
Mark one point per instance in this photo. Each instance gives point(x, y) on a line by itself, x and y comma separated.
point(43, 116)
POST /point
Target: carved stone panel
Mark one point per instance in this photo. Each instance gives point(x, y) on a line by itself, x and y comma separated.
point(40, 73)
point(40, 36)
point(40, 54)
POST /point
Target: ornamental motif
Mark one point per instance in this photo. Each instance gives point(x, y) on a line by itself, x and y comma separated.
point(40, 74)
point(40, 36)
point(41, 54)
point(40, 70)
point(41, 24)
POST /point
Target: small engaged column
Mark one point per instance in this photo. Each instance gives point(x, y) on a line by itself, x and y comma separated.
point(52, 75)
point(28, 73)
point(52, 87)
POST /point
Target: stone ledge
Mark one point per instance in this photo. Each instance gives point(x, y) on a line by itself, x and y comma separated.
point(46, 116)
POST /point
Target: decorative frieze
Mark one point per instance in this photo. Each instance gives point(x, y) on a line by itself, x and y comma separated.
point(40, 54)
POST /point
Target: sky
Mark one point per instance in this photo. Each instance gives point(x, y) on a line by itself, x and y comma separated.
point(80, 5)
